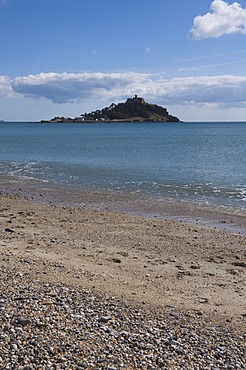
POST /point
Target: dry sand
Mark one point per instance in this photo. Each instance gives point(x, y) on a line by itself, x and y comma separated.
point(147, 262)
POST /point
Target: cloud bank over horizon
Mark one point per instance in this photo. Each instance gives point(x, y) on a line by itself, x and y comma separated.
point(64, 88)
point(223, 19)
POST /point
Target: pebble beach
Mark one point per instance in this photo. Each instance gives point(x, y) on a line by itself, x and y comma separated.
point(93, 289)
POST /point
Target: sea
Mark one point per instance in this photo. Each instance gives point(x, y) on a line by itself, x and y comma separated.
point(194, 164)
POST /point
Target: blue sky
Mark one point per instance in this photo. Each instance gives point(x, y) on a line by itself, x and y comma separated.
point(68, 57)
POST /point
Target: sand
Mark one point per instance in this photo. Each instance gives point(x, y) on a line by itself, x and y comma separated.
point(147, 262)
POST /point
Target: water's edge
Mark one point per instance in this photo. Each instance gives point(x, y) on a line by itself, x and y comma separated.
point(221, 218)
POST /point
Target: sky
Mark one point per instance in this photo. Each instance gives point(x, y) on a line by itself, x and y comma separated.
point(69, 57)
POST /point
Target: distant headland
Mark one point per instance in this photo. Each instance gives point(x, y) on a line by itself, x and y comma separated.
point(133, 110)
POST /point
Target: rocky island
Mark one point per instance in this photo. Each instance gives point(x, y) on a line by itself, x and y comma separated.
point(133, 110)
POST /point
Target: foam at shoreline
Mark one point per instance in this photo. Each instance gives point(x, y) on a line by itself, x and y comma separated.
point(222, 218)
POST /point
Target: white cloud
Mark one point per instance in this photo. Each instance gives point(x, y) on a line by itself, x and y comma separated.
point(5, 88)
point(187, 69)
point(207, 90)
point(221, 91)
point(65, 87)
point(223, 19)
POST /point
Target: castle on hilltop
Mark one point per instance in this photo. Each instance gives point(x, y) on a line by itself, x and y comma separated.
point(136, 99)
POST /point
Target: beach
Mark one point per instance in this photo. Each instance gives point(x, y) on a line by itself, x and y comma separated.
point(122, 185)
point(176, 288)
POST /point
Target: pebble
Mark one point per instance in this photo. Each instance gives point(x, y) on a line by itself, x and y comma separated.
point(9, 230)
point(23, 321)
point(104, 319)
point(53, 326)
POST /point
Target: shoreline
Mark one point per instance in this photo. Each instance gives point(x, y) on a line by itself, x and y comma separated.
point(214, 217)
point(176, 287)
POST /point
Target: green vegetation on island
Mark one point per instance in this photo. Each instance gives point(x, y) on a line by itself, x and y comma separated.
point(133, 110)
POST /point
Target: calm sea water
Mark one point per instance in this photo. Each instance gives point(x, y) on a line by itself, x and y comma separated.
point(203, 163)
